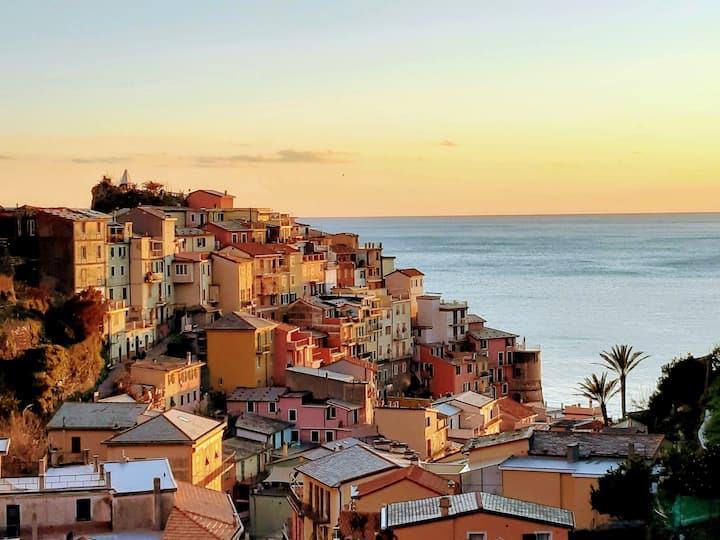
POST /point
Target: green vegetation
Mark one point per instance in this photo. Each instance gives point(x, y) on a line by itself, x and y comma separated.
point(622, 360)
point(624, 492)
point(601, 390)
point(107, 196)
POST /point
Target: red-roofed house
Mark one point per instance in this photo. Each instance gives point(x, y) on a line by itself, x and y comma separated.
point(406, 283)
point(514, 415)
point(209, 198)
point(405, 484)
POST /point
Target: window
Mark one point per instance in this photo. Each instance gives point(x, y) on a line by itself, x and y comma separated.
point(315, 436)
point(466, 387)
point(99, 252)
point(243, 237)
point(331, 413)
point(82, 510)
point(112, 271)
point(469, 368)
point(294, 435)
point(483, 344)
point(250, 406)
point(234, 238)
point(182, 401)
point(201, 242)
point(476, 536)
point(504, 389)
point(124, 293)
point(457, 370)
point(537, 536)
point(83, 253)
point(500, 358)
point(111, 294)
point(329, 436)
point(272, 407)
point(292, 415)
point(75, 445)
point(181, 270)
point(499, 374)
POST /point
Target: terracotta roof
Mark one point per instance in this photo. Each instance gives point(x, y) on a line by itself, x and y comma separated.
point(548, 443)
point(469, 398)
point(282, 248)
point(409, 513)
point(260, 424)
point(255, 249)
point(411, 272)
point(75, 214)
point(212, 192)
point(194, 256)
point(237, 320)
point(232, 225)
point(472, 318)
point(513, 408)
point(414, 474)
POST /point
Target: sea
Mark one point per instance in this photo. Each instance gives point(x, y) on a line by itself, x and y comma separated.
point(572, 285)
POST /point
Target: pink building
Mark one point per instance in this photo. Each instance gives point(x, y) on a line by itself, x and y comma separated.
point(447, 372)
point(293, 347)
point(209, 198)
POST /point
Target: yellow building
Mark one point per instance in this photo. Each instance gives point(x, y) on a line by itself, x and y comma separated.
point(422, 428)
point(176, 381)
point(238, 281)
point(192, 444)
point(240, 351)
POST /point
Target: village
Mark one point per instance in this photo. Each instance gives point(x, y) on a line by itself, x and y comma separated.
point(271, 380)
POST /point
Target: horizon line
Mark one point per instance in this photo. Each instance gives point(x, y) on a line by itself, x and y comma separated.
point(558, 214)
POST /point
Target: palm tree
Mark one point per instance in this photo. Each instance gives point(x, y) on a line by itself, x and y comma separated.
point(601, 390)
point(622, 360)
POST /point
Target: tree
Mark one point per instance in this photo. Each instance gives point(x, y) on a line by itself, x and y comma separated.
point(28, 443)
point(624, 492)
point(601, 390)
point(622, 360)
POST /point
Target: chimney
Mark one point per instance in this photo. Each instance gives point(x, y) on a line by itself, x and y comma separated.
point(101, 470)
point(573, 452)
point(631, 450)
point(188, 358)
point(108, 479)
point(42, 469)
point(445, 505)
point(157, 505)
point(95, 462)
point(86, 456)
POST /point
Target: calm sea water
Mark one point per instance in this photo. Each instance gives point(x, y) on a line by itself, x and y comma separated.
point(575, 285)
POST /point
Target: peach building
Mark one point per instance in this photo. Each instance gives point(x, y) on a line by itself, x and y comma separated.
point(210, 198)
point(76, 430)
point(406, 283)
point(423, 428)
point(175, 381)
point(192, 444)
point(237, 292)
point(476, 516)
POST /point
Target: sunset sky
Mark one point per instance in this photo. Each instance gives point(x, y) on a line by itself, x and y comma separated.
point(367, 108)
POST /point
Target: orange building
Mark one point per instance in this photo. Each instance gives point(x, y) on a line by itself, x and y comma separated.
point(423, 428)
point(476, 516)
point(210, 198)
point(407, 483)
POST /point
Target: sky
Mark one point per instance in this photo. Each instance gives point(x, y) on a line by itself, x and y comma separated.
point(363, 108)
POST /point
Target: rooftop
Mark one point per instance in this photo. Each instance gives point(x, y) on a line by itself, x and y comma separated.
point(201, 513)
point(102, 415)
point(500, 438)
point(172, 426)
point(165, 363)
point(262, 393)
point(260, 424)
point(243, 448)
point(191, 231)
point(411, 512)
point(322, 373)
point(414, 474)
point(490, 333)
point(410, 272)
point(469, 398)
point(586, 468)
point(75, 214)
point(345, 465)
point(239, 320)
point(472, 318)
point(549, 443)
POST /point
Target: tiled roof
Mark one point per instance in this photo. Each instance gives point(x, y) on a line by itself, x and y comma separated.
point(411, 272)
point(255, 249)
point(200, 513)
point(490, 333)
point(260, 424)
point(500, 438)
point(243, 447)
point(345, 465)
point(468, 398)
point(238, 320)
point(172, 426)
point(472, 318)
point(191, 231)
point(104, 415)
point(411, 512)
point(414, 474)
point(548, 443)
point(164, 363)
point(263, 393)
point(213, 192)
point(75, 214)
point(513, 408)
point(233, 225)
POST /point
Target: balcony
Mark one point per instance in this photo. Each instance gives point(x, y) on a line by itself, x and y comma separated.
point(154, 277)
